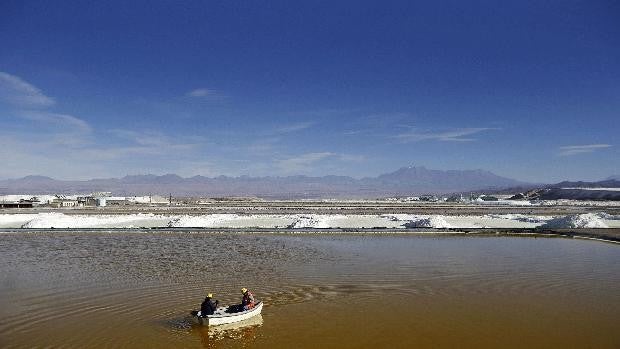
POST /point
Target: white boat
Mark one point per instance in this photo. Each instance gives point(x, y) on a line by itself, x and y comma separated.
point(229, 329)
point(221, 317)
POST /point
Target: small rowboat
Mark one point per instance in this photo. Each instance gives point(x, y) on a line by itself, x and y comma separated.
point(221, 316)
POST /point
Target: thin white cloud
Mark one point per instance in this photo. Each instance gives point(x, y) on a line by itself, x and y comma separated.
point(267, 142)
point(302, 162)
point(145, 138)
point(61, 120)
point(310, 161)
point(294, 127)
point(66, 146)
point(352, 157)
point(201, 92)
point(14, 90)
point(152, 142)
point(71, 156)
point(31, 103)
point(205, 94)
point(381, 119)
point(264, 146)
point(581, 149)
point(457, 135)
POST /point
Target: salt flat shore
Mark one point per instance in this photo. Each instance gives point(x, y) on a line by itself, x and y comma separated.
point(588, 219)
point(547, 207)
point(611, 235)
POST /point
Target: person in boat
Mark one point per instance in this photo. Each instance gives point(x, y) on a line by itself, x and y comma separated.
point(248, 302)
point(208, 307)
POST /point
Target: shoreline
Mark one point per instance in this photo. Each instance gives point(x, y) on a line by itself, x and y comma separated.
point(354, 208)
point(609, 235)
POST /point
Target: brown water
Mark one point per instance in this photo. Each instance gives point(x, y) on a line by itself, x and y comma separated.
point(124, 289)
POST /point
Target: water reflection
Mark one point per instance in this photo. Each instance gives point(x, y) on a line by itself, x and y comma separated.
point(243, 333)
point(323, 291)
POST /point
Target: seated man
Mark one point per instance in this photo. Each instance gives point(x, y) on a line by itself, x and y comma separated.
point(208, 307)
point(248, 301)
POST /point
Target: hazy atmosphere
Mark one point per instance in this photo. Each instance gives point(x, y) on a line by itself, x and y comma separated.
point(527, 90)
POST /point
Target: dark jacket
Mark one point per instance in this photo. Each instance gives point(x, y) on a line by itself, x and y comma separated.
point(208, 307)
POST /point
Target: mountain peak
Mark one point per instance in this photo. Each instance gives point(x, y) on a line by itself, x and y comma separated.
point(171, 176)
point(412, 167)
point(444, 180)
point(36, 178)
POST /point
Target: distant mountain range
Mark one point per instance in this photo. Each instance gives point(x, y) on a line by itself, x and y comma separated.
point(405, 181)
point(607, 189)
point(610, 182)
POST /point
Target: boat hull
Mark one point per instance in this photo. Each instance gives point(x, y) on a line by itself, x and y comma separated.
point(220, 317)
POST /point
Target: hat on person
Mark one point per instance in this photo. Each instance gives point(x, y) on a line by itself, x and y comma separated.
point(244, 290)
point(210, 295)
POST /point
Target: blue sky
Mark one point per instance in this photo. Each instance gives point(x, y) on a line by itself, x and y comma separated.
point(527, 89)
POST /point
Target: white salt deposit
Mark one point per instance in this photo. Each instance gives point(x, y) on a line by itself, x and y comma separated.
point(310, 221)
point(203, 221)
point(517, 202)
point(566, 202)
point(399, 217)
point(587, 220)
point(503, 202)
point(428, 222)
point(608, 216)
point(230, 221)
point(521, 217)
point(61, 220)
point(15, 220)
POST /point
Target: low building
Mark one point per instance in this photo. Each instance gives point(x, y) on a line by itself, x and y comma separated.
point(86, 201)
point(16, 204)
point(429, 198)
point(488, 198)
point(113, 201)
point(64, 203)
point(456, 198)
point(149, 200)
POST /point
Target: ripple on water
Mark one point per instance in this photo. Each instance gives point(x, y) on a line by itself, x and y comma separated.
point(97, 289)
